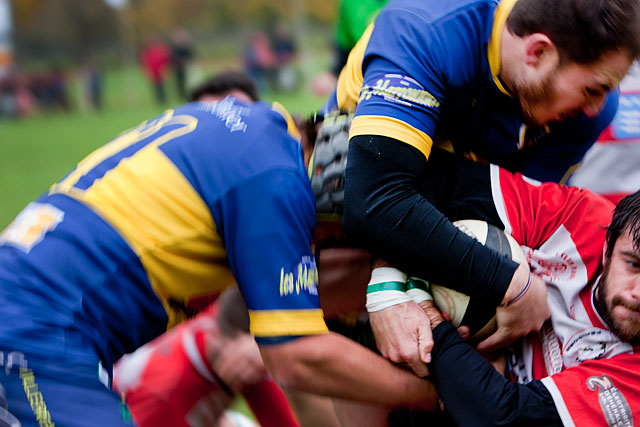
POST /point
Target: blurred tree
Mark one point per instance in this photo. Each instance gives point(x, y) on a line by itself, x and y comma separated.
point(65, 30)
point(24, 9)
point(69, 30)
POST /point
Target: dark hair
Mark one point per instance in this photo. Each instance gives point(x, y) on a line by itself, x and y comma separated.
point(582, 30)
point(626, 217)
point(224, 82)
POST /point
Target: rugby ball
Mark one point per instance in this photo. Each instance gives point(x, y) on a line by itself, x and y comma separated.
point(462, 310)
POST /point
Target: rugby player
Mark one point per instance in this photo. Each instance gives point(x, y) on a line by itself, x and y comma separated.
point(146, 231)
point(582, 367)
point(526, 84)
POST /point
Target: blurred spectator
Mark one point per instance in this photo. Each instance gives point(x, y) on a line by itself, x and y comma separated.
point(284, 46)
point(156, 58)
point(16, 99)
point(93, 86)
point(181, 57)
point(259, 59)
point(49, 88)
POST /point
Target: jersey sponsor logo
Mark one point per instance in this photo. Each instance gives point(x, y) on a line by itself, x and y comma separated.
point(558, 260)
point(591, 343)
point(229, 112)
point(613, 403)
point(560, 267)
point(30, 227)
point(401, 90)
point(303, 278)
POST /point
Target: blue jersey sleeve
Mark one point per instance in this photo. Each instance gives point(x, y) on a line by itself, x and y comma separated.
point(267, 225)
point(407, 77)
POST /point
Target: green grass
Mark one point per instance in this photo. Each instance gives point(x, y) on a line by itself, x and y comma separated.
point(37, 151)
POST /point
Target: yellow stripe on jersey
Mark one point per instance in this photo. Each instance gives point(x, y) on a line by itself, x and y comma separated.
point(292, 129)
point(274, 323)
point(166, 223)
point(392, 128)
point(499, 20)
point(351, 78)
point(123, 141)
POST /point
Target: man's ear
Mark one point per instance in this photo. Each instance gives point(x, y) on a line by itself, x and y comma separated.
point(540, 51)
point(604, 253)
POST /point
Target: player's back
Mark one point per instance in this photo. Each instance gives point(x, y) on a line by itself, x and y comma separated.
point(129, 242)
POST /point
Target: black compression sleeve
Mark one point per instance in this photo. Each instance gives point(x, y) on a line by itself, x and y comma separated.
point(390, 193)
point(475, 394)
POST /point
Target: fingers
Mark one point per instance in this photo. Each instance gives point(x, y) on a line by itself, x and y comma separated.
point(464, 332)
point(418, 367)
point(425, 343)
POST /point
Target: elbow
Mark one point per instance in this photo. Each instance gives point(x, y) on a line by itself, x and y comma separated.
point(291, 365)
point(286, 374)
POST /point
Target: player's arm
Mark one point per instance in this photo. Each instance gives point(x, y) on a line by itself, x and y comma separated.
point(391, 138)
point(267, 223)
point(474, 393)
point(390, 208)
point(394, 201)
point(335, 366)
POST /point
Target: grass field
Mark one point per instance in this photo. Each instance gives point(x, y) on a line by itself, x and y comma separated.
point(37, 151)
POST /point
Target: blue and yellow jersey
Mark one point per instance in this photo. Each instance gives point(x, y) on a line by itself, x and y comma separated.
point(428, 71)
point(155, 224)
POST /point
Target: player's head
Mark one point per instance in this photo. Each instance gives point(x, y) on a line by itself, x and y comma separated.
point(230, 82)
point(308, 127)
point(572, 52)
point(618, 294)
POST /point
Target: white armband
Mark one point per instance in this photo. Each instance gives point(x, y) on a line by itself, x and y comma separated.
point(386, 288)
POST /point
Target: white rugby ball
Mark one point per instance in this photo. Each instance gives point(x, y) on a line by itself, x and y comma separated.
point(481, 320)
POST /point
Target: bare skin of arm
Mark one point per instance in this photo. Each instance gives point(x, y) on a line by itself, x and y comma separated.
point(332, 365)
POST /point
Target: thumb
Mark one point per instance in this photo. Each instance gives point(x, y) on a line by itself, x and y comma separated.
point(494, 342)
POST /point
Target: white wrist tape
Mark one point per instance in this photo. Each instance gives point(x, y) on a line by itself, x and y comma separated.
point(386, 289)
point(418, 290)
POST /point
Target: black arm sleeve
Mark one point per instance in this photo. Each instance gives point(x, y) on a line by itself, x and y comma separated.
point(394, 204)
point(475, 394)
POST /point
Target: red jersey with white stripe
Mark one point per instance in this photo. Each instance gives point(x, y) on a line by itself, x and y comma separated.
point(562, 232)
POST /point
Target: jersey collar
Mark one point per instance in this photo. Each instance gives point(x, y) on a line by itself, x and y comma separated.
point(292, 129)
point(499, 20)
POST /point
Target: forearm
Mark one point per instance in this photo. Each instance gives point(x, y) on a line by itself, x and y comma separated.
point(334, 366)
point(392, 197)
point(477, 395)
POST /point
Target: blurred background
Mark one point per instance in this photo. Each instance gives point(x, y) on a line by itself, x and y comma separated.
point(75, 73)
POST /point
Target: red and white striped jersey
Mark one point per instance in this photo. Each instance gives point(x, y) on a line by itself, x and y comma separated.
point(562, 232)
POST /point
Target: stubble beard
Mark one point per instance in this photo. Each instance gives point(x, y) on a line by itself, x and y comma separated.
point(626, 331)
point(533, 96)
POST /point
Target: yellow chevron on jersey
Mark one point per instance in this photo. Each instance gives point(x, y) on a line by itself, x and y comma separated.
point(392, 128)
point(179, 244)
point(299, 322)
point(350, 79)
